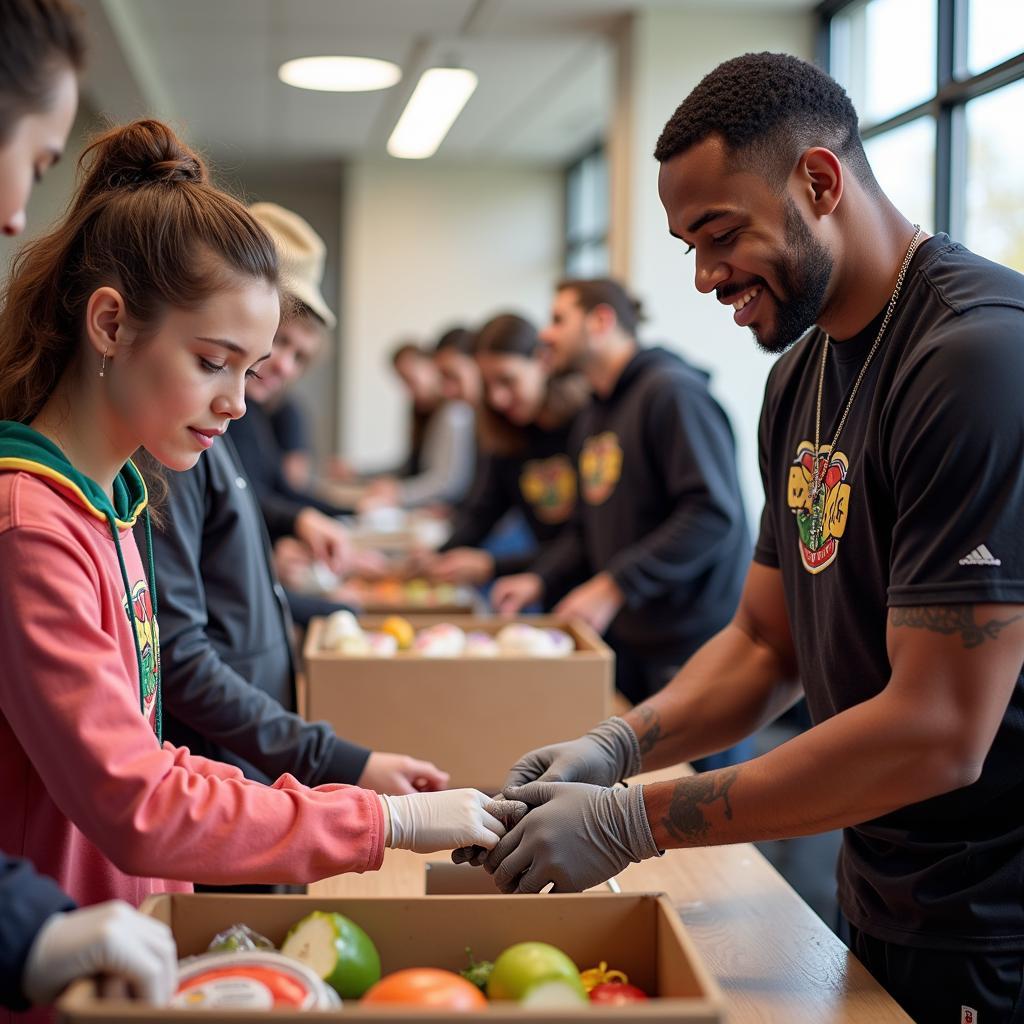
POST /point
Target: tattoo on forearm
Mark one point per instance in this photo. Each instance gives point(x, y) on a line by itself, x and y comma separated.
point(649, 732)
point(685, 819)
point(951, 619)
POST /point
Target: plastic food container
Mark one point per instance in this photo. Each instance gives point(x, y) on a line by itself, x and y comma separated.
point(250, 981)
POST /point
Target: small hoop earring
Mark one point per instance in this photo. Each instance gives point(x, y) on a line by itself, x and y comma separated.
point(103, 365)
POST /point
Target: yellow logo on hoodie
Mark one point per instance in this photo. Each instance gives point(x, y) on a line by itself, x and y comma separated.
point(600, 467)
point(549, 485)
point(149, 642)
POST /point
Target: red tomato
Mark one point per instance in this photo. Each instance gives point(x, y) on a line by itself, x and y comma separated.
point(427, 987)
point(616, 993)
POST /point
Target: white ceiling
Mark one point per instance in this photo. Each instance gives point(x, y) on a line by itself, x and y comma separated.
point(545, 70)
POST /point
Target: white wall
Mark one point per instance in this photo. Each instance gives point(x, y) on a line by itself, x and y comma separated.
point(426, 246)
point(665, 55)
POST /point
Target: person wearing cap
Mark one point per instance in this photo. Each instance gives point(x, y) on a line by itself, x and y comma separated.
point(305, 322)
point(225, 626)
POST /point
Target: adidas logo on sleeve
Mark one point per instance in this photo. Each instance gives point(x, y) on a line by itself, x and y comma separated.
point(980, 556)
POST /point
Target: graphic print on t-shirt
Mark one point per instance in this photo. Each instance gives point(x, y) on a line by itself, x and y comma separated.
point(600, 467)
point(149, 643)
point(819, 528)
point(549, 485)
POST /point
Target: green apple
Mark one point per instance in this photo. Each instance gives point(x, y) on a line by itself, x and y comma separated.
point(337, 949)
point(527, 964)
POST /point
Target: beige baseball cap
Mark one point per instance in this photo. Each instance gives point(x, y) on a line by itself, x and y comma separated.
point(301, 252)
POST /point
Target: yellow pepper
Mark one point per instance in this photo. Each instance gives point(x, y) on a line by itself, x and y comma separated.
point(594, 976)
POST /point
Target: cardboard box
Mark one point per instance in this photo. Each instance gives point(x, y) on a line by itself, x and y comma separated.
point(639, 933)
point(404, 597)
point(473, 717)
point(443, 878)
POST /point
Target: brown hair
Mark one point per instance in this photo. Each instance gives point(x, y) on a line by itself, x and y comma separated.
point(457, 339)
point(603, 291)
point(507, 334)
point(144, 220)
point(512, 335)
point(37, 38)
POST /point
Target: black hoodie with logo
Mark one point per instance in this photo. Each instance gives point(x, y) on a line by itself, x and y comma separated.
point(659, 509)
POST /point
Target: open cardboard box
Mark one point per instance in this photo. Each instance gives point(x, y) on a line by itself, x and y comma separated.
point(443, 878)
point(639, 933)
point(397, 597)
point(473, 717)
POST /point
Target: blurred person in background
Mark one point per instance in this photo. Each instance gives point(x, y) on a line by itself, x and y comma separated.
point(525, 421)
point(447, 462)
point(421, 382)
point(655, 555)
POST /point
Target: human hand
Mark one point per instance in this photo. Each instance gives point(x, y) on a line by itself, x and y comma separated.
point(508, 812)
point(370, 565)
point(607, 754)
point(596, 602)
point(461, 565)
point(512, 593)
point(328, 541)
point(110, 939)
point(340, 469)
point(292, 562)
point(574, 835)
point(384, 492)
point(398, 774)
point(430, 822)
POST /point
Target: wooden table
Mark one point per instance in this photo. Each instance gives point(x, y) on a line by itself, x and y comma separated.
point(773, 956)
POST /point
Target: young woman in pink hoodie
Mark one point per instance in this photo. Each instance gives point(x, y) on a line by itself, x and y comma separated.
point(133, 324)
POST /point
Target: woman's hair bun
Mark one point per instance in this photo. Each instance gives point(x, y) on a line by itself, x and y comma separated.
point(140, 153)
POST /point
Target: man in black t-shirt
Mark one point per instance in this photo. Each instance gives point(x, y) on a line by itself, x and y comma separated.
point(888, 578)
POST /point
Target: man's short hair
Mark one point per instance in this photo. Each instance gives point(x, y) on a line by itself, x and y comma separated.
point(604, 291)
point(768, 108)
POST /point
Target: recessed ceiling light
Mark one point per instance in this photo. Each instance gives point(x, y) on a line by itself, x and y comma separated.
point(436, 102)
point(339, 74)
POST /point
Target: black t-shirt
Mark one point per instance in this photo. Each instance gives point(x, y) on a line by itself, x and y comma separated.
point(924, 505)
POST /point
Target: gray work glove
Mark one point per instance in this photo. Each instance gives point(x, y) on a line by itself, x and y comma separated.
point(508, 812)
point(607, 754)
point(575, 835)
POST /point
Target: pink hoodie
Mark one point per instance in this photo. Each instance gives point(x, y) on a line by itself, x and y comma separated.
point(88, 794)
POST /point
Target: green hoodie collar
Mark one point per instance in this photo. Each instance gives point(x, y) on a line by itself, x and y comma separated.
point(25, 449)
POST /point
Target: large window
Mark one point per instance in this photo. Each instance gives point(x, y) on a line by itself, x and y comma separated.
point(939, 87)
point(586, 215)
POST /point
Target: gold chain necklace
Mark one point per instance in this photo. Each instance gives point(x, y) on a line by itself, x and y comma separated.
point(821, 465)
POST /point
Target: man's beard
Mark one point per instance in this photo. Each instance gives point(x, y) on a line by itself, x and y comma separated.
point(803, 274)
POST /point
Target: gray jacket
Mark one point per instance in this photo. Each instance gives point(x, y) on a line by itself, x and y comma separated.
point(228, 667)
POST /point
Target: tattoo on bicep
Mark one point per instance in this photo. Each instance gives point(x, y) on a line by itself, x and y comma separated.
point(686, 819)
point(951, 619)
point(650, 728)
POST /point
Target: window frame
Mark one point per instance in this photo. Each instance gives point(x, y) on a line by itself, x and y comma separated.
point(574, 243)
point(954, 88)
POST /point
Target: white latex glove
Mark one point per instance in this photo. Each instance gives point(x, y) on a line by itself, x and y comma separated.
point(431, 822)
point(109, 938)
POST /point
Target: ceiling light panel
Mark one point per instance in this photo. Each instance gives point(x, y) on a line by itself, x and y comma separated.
point(339, 74)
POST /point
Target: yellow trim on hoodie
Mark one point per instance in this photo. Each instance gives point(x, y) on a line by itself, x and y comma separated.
point(38, 469)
